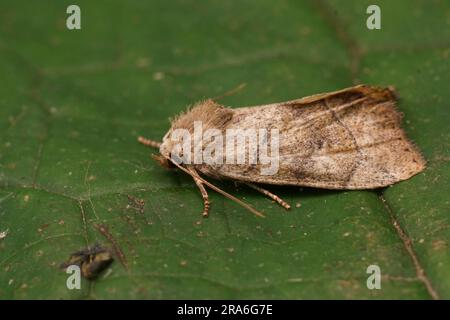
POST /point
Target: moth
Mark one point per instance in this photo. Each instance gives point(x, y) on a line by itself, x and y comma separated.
point(92, 261)
point(350, 139)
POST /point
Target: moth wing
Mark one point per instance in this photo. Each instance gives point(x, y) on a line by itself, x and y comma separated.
point(347, 139)
point(361, 89)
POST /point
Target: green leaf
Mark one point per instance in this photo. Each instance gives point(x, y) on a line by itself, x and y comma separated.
point(73, 102)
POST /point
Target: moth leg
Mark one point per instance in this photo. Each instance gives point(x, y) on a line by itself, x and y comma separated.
point(203, 191)
point(205, 197)
point(272, 196)
point(149, 143)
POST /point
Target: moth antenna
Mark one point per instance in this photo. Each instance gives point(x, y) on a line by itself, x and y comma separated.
point(224, 193)
point(231, 92)
point(149, 143)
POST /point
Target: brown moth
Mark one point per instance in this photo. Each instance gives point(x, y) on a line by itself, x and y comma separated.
point(348, 139)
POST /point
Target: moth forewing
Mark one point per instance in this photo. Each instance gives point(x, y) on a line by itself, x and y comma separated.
point(348, 139)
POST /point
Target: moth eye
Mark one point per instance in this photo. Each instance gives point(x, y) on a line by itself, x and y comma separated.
point(177, 158)
point(171, 156)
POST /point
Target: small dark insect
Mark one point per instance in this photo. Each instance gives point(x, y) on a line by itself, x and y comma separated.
point(92, 261)
point(350, 139)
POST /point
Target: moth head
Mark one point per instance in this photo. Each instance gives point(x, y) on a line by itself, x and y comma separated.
point(165, 151)
point(204, 115)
